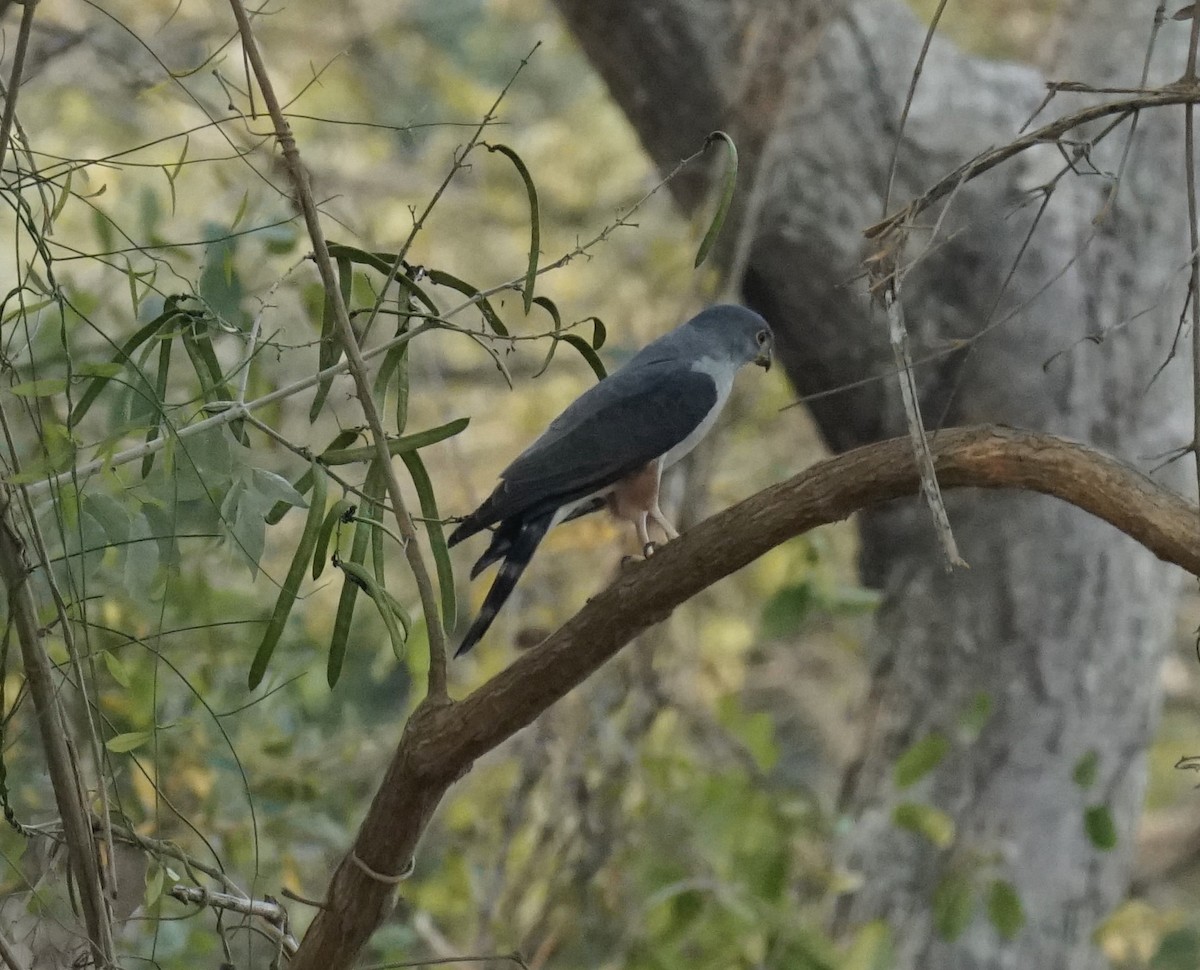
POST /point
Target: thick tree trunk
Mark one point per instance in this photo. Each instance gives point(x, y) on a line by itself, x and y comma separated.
point(1058, 627)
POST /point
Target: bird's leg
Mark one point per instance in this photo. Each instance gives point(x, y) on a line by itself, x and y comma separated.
point(663, 522)
point(643, 533)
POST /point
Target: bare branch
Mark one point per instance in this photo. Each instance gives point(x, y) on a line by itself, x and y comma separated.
point(265, 909)
point(1180, 93)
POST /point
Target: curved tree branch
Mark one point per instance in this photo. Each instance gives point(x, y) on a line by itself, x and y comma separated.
point(440, 743)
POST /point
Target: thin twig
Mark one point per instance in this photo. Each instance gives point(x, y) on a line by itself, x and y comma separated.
point(14, 80)
point(908, 101)
point(460, 158)
point(1183, 93)
point(264, 909)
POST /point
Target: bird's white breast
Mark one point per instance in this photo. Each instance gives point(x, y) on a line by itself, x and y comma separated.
point(722, 372)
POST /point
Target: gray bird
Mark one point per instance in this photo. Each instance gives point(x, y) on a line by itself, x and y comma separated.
point(612, 444)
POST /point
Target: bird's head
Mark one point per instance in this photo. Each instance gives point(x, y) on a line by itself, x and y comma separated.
point(740, 334)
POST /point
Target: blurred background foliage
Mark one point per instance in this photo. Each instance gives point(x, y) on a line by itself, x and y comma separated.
point(675, 811)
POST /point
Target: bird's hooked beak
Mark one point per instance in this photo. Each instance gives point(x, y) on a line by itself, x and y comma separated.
point(764, 354)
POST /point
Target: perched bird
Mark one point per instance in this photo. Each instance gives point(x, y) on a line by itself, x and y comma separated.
point(612, 444)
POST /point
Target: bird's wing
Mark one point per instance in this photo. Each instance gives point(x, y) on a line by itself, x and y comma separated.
point(613, 429)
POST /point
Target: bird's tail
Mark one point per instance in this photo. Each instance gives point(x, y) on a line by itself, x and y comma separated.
point(518, 551)
point(477, 521)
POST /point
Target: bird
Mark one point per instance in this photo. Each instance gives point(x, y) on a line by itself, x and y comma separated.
point(612, 444)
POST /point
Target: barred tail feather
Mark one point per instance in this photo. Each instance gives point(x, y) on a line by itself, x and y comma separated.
point(518, 550)
point(477, 521)
point(498, 548)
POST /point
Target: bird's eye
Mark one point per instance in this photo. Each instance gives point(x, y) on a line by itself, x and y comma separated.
point(762, 337)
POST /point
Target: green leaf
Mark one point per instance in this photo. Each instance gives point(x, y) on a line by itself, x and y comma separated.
point(587, 353)
point(1005, 910)
point(305, 481)
point(871, 948)
point(1085, 770)
point(925, 820)
point(99, 369)
point(365, 581)
point(599, 332)
point(726, 199)
point(116, 669)
point(124, 355)
point(276, 488)
point(382, 262)
point(785, 612)
point(160, 397)
point(440, 278)
point(397, 446)
point(60, 204)
point(534, 229)
point(154, 885)
point(291, 584)
point(373, 490)
point(549, 306)
point(976, 715)
point(1098, 823)
point(121, 743)
point(953, 905)
point(920, 759)
point(1178, 950)
point(321, 550)
point(329, 347)
point(437, 540)
point(44, 387)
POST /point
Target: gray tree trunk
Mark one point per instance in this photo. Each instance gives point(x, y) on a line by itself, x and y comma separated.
point(1058, 627)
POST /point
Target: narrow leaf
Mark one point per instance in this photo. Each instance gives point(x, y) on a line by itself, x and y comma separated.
point(1005, 910)
point(925, 820)
point(548, 305)
point(587, 353)
point(60, 204)
point(441, 278)
point(396, 446)
point(599, 332)
point(329, 347)
point(116, 669)
point(534, 229)
point(726, 199)
point(123, 355)
point(305, 481)
point(373, 491)
point(366, 581)
point(1086, 769)
point(920, 759)
point(341, 509)
point(291, 584)
point(43, 387)
point(953, 905)
point(160, 397)
point(1098, 823)
point(121, 743)
point(437, 540)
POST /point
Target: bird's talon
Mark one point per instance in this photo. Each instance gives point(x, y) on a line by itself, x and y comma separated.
point(649, 548)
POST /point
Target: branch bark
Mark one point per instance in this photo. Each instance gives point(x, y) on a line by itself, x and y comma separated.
point(69, 795)
point(440, 743)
